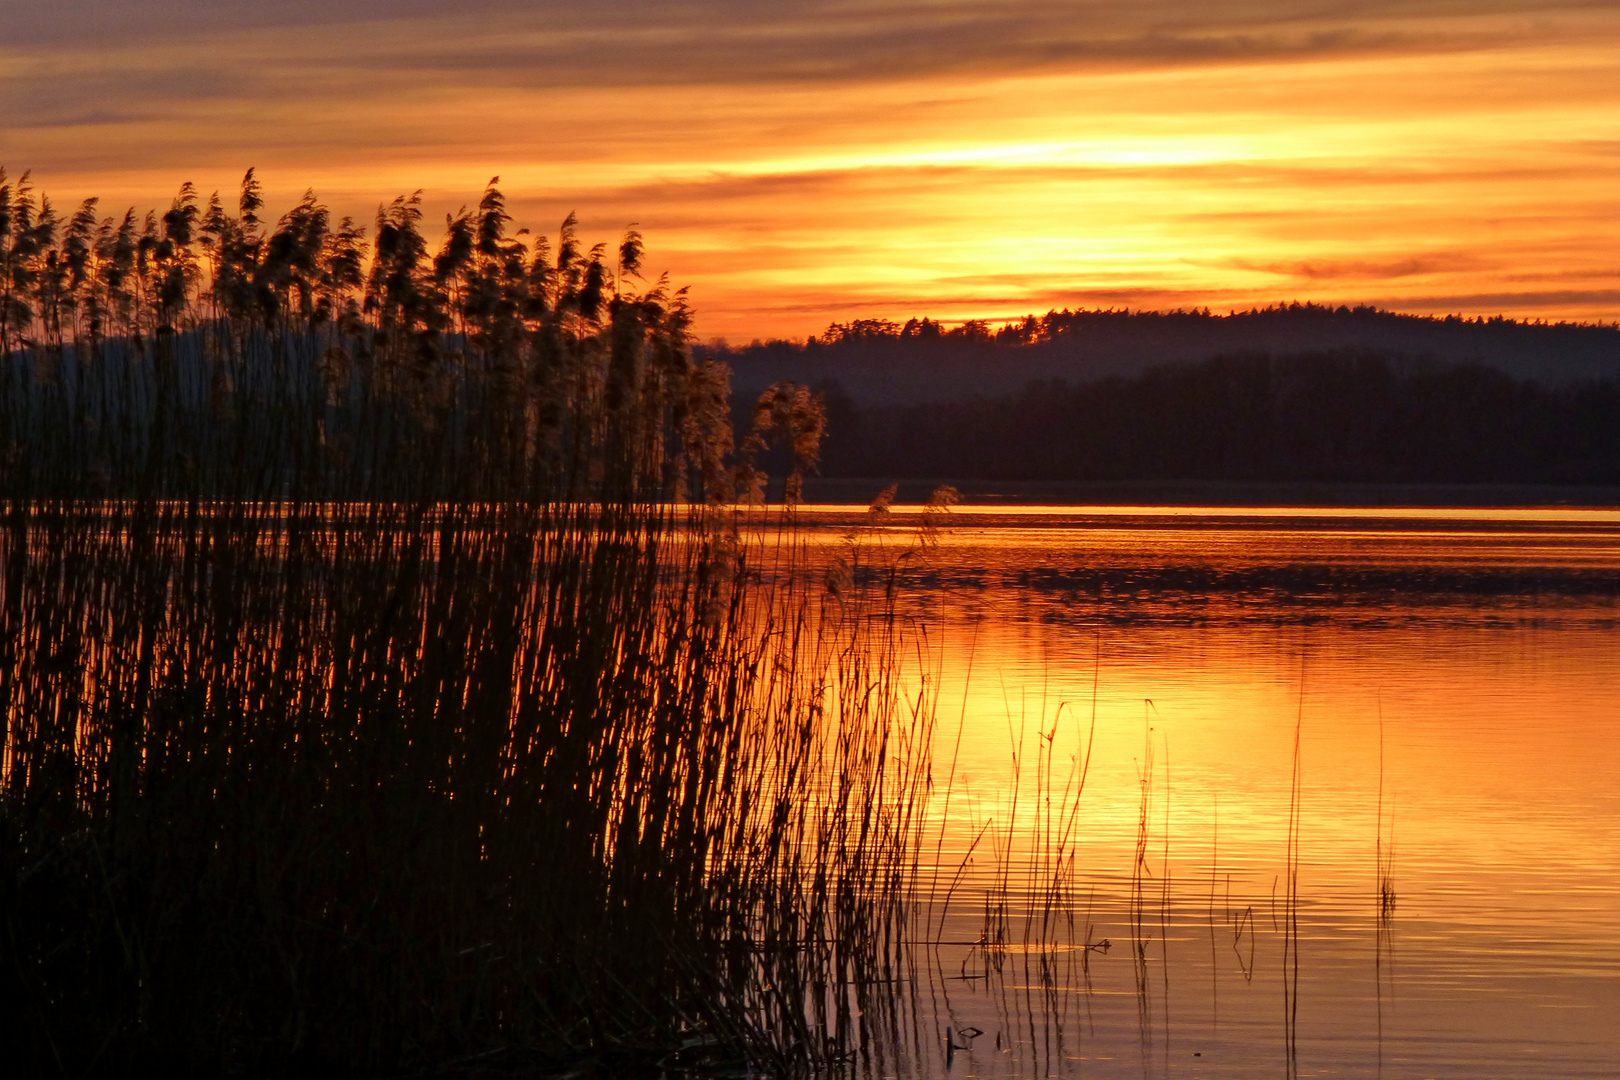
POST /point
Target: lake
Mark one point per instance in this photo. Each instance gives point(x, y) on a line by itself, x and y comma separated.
point(1232, 791)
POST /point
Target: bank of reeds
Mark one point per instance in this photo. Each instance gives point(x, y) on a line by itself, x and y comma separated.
point(387, 686)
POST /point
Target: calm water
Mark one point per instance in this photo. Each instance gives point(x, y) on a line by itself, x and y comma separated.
point(1428, 702)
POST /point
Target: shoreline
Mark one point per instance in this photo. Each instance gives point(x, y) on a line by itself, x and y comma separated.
point(1194, 493)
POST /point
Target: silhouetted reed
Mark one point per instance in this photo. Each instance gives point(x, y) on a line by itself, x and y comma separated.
point(388, 686)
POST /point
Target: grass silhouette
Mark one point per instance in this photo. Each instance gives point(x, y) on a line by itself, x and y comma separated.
point(389, 686)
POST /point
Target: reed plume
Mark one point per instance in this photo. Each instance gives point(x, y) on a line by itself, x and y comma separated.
point(386, 686)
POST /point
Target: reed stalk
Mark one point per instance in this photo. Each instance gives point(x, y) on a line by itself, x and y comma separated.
point(388, 685)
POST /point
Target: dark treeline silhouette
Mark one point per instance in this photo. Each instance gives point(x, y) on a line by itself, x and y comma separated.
point(922, 361)
point(1342, 416)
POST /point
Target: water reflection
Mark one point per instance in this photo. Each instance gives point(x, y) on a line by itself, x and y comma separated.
point(1349, 700)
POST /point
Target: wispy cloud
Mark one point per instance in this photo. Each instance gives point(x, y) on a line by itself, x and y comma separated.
point(1332, 270)
point(800, 162)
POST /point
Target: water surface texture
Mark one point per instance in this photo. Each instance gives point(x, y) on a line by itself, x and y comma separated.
point(1238, 792)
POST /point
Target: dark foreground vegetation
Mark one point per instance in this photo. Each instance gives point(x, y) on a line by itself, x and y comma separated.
point(374, 704)
point(1338, 417)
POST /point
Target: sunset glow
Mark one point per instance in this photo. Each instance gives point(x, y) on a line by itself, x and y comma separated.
point(865, 539)
point(865, 161)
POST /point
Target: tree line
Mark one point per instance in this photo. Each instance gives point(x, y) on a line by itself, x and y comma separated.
point(1059, 324)
point(1337, 416)
point(879, 361)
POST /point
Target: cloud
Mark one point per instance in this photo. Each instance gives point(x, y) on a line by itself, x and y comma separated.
point(799, 162)
point(1363, 269)
point(638, 42)
point(103, 21)
point(1558, 303)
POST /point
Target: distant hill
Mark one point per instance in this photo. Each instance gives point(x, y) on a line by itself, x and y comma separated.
point(877, 362)
point(1339, 416)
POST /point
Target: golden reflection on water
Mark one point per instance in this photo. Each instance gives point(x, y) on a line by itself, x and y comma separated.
point(1474, 652)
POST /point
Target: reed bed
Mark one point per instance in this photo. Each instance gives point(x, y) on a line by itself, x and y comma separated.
point(388, 684)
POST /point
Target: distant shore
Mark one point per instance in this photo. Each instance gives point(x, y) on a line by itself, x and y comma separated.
point(848, 490)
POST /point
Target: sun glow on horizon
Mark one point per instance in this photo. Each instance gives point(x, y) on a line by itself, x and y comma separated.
point(1433, 165)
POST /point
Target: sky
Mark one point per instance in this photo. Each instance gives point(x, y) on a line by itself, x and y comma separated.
point(798, 163)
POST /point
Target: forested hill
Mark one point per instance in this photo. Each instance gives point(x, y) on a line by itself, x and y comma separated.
point(877, 362)
point(1346, 416)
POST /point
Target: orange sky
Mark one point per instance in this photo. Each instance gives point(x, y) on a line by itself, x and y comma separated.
point(799, 164)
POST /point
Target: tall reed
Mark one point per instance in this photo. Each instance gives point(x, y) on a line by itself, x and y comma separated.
point(386, 686)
